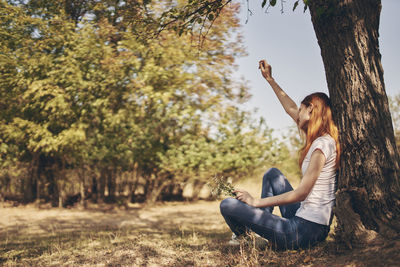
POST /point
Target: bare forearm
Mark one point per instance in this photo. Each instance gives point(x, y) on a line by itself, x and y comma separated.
point(313, 171)
point(279, 200)
point(288, 104)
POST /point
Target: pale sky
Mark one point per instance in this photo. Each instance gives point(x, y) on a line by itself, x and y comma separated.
point(287, 41)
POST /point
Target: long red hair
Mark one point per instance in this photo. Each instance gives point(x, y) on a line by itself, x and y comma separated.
point(320, 123)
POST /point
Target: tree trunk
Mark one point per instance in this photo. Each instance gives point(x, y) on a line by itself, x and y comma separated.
point(82, 192)
point(38, 190)
point(368, 196)
point(40, 171)
point(111, 186)
point(60, 200)
point(94, 188)
point(131, 185)
point(30, 188)
point(134, 181)
point(61, 179)
point(154, 192)
point(102, 183)
point(81, 174)
point(51, 183)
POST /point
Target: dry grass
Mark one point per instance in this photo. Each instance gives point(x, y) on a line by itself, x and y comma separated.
point(169, 234)
point(159, 235)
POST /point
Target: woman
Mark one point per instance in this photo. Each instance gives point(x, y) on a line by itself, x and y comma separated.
point(307, 210)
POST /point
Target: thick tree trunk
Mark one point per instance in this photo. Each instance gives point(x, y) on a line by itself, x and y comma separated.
point(368, 197)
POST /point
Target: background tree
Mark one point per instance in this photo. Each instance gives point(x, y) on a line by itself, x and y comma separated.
point(92, 106)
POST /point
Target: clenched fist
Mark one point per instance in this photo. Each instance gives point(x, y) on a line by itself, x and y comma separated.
point(266, 69)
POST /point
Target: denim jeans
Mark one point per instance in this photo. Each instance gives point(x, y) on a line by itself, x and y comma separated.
point(286, 232)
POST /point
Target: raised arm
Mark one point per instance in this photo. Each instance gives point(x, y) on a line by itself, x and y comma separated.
point(288, 104)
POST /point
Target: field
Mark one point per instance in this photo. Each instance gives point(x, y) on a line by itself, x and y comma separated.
point(165, 234)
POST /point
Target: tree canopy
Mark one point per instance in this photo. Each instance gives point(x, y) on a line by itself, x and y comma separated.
point(95, 94)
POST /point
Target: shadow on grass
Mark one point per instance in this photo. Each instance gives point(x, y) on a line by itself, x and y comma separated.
point(98, 236)
point(175, 235)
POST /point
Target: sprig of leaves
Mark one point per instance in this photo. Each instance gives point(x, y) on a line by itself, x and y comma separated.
point(220, 185)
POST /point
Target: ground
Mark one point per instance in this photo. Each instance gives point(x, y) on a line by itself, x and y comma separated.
point(164, 234)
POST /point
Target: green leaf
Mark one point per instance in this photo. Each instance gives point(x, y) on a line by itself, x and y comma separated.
point(272, 2)
point(295, 5)
point(210, 17)
point(305, 5)
point(263, 3)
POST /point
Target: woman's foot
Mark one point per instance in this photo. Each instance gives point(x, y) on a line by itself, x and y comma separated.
point(234, 240)
point(250, 239)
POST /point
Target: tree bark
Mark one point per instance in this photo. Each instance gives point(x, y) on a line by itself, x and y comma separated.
point(368, 196)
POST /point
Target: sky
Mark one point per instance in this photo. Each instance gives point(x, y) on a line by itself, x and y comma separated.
point(288, 42)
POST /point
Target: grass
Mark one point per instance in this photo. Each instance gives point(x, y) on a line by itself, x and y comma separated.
point(165, 234)
point(129, 240)
point(175, 234)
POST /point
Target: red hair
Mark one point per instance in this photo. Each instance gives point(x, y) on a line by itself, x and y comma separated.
point(320, 123)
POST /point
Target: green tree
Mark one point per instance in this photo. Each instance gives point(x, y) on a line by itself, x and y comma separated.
point(236, 150)
point(87, 97)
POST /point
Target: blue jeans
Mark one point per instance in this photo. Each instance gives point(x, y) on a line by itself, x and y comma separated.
point(286, 232)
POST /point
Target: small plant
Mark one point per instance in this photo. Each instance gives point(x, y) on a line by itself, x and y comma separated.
point(220, 185)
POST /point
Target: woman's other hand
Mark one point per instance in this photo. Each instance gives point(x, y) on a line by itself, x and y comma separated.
point(245, 197)
point(266, 69)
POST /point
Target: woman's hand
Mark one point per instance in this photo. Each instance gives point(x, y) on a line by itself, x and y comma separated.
point(245, 197)
point(266, 69)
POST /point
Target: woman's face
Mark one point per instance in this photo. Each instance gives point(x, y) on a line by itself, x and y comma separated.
point(304, 116)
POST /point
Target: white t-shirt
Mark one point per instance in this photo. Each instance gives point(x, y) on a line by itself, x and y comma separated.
point(317, 207)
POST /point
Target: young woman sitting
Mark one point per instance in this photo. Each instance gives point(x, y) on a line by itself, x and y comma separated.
point(307, 210)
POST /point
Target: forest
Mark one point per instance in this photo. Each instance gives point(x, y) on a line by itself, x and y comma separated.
point(100, 104)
